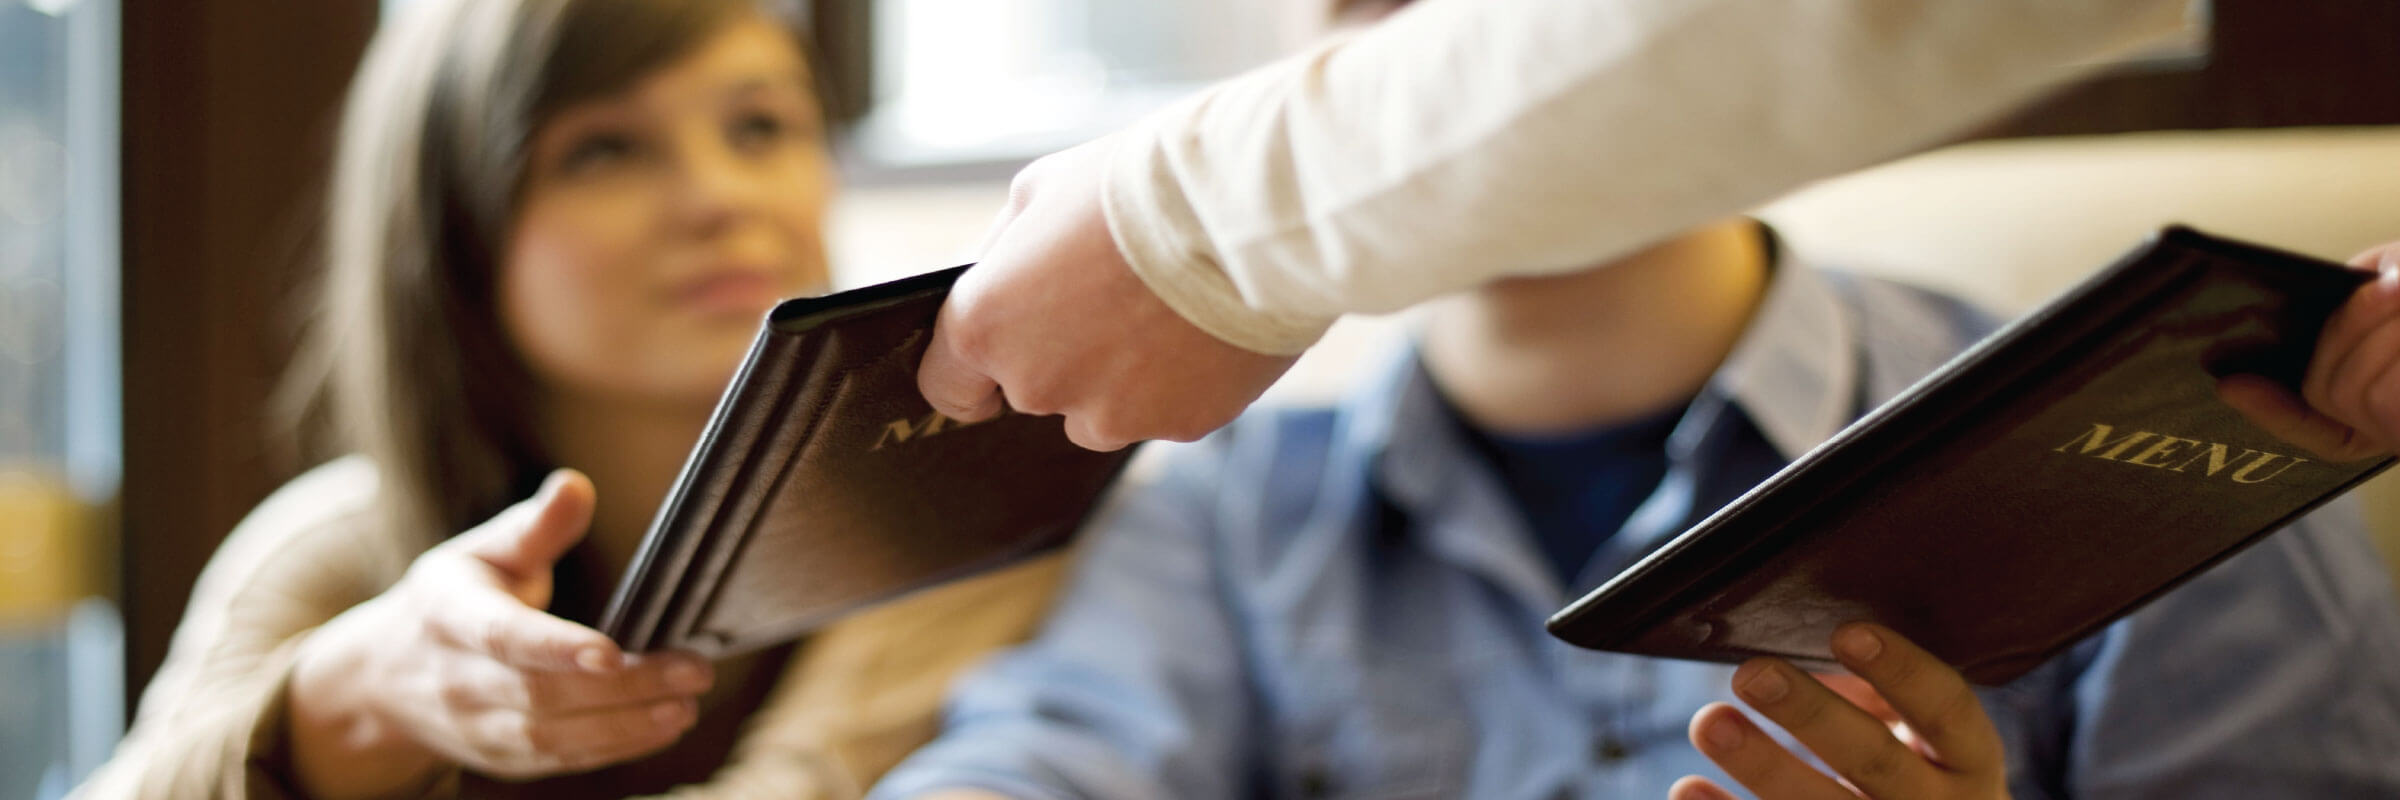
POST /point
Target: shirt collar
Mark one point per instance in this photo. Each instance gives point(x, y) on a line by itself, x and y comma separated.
point(1794, 371)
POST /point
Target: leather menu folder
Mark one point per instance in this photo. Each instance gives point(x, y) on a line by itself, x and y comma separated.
point(2050, 480)
point(824, 483)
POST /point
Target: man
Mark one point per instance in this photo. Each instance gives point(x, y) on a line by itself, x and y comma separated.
point(1348, 601)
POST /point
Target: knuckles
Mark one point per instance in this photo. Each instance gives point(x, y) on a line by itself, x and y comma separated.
point(459, 695)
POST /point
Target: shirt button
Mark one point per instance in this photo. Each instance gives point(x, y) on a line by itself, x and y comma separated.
point(1608, 750)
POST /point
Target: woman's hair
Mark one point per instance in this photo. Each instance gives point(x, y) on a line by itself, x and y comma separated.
point(404, 359)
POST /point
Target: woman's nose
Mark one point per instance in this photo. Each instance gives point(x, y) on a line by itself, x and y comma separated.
point(716, 187)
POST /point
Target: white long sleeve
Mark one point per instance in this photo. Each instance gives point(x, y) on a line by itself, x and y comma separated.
point(1463, 141)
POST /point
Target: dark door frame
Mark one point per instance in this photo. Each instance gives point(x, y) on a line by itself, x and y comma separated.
point(228, 110)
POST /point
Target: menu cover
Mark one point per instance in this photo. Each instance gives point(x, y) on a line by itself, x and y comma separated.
point(2052, 479)
point(824, 482)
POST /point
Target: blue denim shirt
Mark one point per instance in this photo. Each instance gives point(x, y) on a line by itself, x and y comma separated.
point(1340, 602)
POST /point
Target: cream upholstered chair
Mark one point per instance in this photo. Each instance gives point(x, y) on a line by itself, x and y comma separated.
point(2009, 223)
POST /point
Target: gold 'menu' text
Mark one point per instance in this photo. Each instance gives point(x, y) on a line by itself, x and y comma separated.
point(2178, 454)
point(901, 431)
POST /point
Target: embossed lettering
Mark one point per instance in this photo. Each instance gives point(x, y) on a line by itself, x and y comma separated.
point(2160, 451)
point(2165, 447)
point(2097, 438)
point(901, 430)
point(2242, 475)
point(2216, 458)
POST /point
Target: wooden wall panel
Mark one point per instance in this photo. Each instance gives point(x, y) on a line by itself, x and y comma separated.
point(228, 109)
point(2271, 63)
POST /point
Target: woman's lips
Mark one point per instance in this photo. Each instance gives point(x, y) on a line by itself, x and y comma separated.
point(730, 293)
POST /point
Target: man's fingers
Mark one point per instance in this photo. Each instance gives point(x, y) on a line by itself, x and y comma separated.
point(1755, 760)
point(1859, 693)
point(950, 380)
point(2277, 411)
point(1694, 787)
point(2350, 395)
point(2383, 258)
point(529, 537)
point(1852, 742)
point(489, 621)
point(2369, 306)
point(1936, 702)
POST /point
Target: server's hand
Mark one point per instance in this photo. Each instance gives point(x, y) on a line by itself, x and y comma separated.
point(2349, 402)
point(1053, 321)
point(1919, 733)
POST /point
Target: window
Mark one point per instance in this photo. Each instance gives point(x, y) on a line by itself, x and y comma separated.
point(995, 82)
point(59, 448)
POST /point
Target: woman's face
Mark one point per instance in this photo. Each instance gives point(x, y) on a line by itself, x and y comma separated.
point(656, 227)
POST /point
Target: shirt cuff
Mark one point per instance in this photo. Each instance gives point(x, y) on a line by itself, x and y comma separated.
point(1165, 243)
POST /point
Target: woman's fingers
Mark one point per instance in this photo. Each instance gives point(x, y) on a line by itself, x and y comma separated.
point(518, 745)
point(482, 591)
point(490, 622)
point(607, 736)
point(1853, 743)
point(648, 678)
point(530, 723)
point(525, 540)
point(1752, 758)
point(1936, 702)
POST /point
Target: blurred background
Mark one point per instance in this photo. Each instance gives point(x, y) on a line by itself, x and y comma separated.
point(160, 161)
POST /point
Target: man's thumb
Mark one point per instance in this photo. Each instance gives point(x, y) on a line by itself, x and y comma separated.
point(531, 535)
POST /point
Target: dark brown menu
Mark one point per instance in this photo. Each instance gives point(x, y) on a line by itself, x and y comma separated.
point(2052, 479)
point(824, 483)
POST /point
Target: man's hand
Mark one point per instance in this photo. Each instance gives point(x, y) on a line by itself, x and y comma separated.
point(1913, 730)
point(2349, 403)
point(1053, 321)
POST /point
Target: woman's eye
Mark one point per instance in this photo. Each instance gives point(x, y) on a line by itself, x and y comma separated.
point(756, 130)
point(596, 151)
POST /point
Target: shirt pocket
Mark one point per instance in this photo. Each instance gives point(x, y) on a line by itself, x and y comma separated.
point(1388, 730)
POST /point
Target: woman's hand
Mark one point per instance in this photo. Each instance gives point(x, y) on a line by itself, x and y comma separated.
point(1913, 729)
point(2349, 403)
point(457, 665)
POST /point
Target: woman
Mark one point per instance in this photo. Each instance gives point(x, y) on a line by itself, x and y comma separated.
point(554, 226)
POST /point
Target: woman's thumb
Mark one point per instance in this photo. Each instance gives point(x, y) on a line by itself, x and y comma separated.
point(531, 535)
